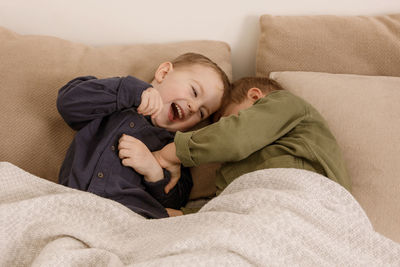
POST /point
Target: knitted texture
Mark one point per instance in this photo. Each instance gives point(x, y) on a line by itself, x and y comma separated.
point(270, 217)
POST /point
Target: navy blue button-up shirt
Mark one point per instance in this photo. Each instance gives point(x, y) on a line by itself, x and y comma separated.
point(101, 110)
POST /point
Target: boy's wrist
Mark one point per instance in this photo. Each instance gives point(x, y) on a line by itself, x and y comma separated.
point(167, 156)
point(154, 175)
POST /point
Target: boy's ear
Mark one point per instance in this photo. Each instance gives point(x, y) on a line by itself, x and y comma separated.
point(253, 94)
point(162, 71)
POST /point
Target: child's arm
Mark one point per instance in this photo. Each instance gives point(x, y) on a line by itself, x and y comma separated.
point(151, 103)
point(178, 196)
point(234, 138)
point(167, 159)
point(173, 212)
point(136, 155)
point(86, 98)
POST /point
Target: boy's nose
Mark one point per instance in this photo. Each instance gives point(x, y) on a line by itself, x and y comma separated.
point(193, 107)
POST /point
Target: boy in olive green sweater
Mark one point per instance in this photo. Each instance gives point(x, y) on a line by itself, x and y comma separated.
point(262, 126)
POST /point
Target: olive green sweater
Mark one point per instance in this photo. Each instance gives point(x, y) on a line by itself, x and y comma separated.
point(280, 130)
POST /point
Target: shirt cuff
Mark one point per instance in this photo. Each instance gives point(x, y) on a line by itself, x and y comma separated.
point(157, 188)
point(181, 141)
point(130, 92)
point(189, 210)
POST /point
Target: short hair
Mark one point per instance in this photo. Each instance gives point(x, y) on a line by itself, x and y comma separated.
point(198, 59)
point(239, 89)
point(242, 86)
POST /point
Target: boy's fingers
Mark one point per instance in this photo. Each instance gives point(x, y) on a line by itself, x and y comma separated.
point(125, 162)
point(148, 110)
point(157, 109)
point(127, 138)
point(126, 142)
point(123, 142)
point(171, 184)
point(173, 212)
point(120, 145)
point(122, 153)
point(151, 104)
point(156, 106)
point(143, 104)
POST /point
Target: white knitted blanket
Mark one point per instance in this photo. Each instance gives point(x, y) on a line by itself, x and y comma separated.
point(275, 217)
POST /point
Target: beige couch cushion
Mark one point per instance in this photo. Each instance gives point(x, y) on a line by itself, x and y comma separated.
point(33, 136)
point(363, 113)
point(368, 45)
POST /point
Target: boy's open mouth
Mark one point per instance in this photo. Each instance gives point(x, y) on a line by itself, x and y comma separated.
point(177, 112)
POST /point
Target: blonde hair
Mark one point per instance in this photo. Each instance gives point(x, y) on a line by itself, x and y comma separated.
point(190, 58)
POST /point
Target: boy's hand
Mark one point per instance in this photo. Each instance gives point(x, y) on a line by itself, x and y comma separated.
point(136, 155)
point(151, 103)
point(167, 159)
point(173, 213)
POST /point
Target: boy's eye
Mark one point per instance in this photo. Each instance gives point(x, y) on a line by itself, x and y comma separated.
point(194, 91)
point(201, 114)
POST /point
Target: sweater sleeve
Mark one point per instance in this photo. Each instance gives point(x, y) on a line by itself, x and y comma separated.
point(86, 98)
point(187, 211)
point(178, 196)
point(234, 138)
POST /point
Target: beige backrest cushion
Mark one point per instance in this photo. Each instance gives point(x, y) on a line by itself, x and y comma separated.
point(368, 45)
point(363, 113)
point(33, 136)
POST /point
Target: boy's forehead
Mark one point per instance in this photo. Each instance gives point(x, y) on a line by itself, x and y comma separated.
point(201, 68)
point(213, 77)
point(209, 81)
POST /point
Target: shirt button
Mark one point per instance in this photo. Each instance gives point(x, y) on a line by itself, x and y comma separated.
point(131, 124)
point(100, 175)
point(112, 148)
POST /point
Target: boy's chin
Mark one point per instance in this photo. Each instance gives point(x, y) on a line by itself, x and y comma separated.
point(159, 124)
point(171, 127)
point(175, 128)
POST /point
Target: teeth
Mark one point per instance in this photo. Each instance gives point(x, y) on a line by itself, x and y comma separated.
point(179, 111)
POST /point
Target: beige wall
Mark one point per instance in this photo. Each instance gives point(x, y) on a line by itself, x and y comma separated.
point(99, 22)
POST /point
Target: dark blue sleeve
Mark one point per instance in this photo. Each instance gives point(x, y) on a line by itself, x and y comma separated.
point(178, 196)
point(86, 98)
